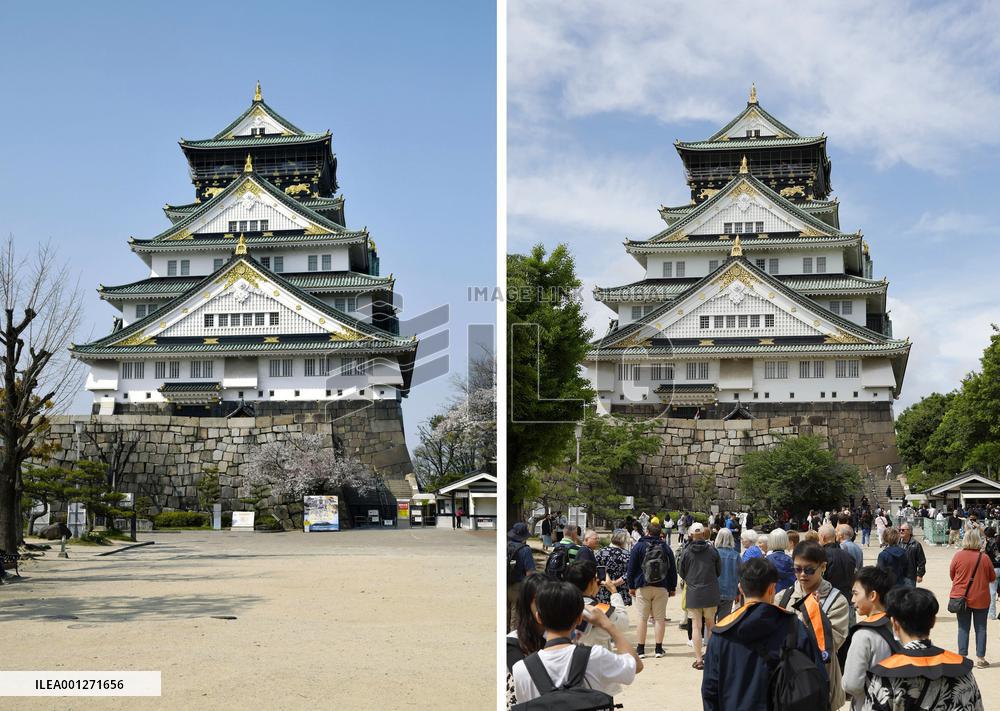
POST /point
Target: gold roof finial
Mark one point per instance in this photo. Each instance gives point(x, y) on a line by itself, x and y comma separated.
point(744, 169)
point(248, 166)
point(737, 250)
point(241, 246)
point(753, 93)
point(257, 95)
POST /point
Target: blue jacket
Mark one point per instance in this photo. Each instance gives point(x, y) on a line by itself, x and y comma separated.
point(736, 676)
point(730, 576)
point(894, 560)
point(634, 577)
point(524, 561)
point(786, 575)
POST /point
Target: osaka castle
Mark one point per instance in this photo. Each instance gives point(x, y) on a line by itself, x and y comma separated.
point(259, 298)
point(753, 296)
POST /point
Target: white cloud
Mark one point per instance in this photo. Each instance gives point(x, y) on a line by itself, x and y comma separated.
point(906, 82)
point(951, 222)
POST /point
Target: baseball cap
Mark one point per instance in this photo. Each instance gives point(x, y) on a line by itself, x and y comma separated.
point(696, 528)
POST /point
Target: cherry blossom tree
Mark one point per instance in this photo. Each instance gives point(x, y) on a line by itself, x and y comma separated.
point(304, 465)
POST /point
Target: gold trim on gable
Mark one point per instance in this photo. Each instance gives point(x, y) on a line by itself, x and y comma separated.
point(241, 270)
point(137, 339)
point(270, 339)
point(735, 273)
point(183, 234)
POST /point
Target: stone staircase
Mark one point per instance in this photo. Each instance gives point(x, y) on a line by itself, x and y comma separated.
point(399, 485)
point(873, 485)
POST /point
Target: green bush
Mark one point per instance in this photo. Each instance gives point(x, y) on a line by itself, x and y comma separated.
point(180, 519)
point(99, 537)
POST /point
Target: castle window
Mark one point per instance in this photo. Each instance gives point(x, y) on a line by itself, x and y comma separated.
point(160, 369)
point(248, 319)
point(263, 225)
point(760, 264)
point(727, 228)
point(201, 369)
point(232, 225)
point(185, 267)
point(713, 264)
point(697, 371)
point(772, 266)
point(636, 313)
point(133, 370)
point(807, 265)
point(279, 264)
point(668, 270)
point(310, 367)
point(349, 304)
point(266, 262)
point(731, 321)
point(846, 308)
point(775, 370)
point(243, 226)
point(257, 131)
point(680, 270)
point(175, 369)
point(656, 371)
point(760, 227)
point(280, 368)
point(253, 225)
point(313, 263)
point(327, 262)
point(703, 321)
point(636, 373)
point(223, 320)
point(172, 267)
point(234, 320)
point(755, 321)
point(847, 368)
point(140, 311)
point(717, 321)
point(820, 265)
point(258, 319)
point(768, 320)
point(835, 307)
point(737, 227)
point(217, 264)
point(743, 321)
point(274, 318)
point(209, 320)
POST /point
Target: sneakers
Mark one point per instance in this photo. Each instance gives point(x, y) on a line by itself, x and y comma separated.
point(690, 643)
point(658, 652)
point(640, 649)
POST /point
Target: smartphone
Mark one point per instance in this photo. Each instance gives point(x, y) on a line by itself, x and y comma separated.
point(602, 572)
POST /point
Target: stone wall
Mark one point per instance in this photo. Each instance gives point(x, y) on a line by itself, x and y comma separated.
point(173, 451)
point(858, 433)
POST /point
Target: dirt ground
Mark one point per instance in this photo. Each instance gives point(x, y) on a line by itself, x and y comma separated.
point(350, 620)
point(672, 676)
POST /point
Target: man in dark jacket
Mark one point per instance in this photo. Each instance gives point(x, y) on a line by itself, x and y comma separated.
point(916, 561)
point(839, 563)
point(651, 554)
point(892, 557)
point(520, 564)
point(736, 673)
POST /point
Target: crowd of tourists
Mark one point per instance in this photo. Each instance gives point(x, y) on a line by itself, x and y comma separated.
point(791, 613)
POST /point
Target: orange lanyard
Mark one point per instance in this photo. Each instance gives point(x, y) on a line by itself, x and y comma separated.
point(816, 620)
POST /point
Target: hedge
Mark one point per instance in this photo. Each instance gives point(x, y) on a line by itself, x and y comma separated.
point(180, 519)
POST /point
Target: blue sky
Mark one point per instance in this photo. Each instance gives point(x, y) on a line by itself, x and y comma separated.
point(96, 95)
point(907, 93)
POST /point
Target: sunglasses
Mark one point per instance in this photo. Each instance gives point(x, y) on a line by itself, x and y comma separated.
point(808, 571)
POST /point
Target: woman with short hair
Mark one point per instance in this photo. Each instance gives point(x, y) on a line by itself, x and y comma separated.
point(777, 542)
point(615, 558)
point(971, 574)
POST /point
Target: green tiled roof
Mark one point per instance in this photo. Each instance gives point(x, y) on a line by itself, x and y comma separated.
point(612, 353)
point(719, 245)
point(660, 289)
point(289, 202)
point(253, 141)
point(137, 327)
point(748, 143)
point(258, 241)
point(760, 109)
point(269, 111)
point(685, 388)
point(782, 202)
point(776, 284)
point(189, 387)
point(397, 345)
point(169, 287)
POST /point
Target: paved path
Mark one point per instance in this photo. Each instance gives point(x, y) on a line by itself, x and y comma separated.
point(671, 682)
point(352, 620)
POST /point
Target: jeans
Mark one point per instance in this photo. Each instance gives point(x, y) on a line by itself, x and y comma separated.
point(978, 620)
point(670, 535)
point(909, 582)
point(866, 534)
point(992, 614)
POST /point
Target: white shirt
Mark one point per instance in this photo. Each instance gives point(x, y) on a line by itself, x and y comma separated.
point(606, 671)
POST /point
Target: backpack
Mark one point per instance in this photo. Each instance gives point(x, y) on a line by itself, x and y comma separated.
point(513, 575)
point(573, 695)
point(654, 564)
point(797, 684)
point(560, 557)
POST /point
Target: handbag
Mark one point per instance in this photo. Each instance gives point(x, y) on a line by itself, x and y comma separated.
point(959, 605)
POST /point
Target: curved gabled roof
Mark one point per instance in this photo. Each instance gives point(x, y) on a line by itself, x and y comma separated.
point(754, 107)
point(262, 106)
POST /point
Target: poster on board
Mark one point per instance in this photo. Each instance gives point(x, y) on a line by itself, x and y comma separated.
point(321, 513)
point(243, 521)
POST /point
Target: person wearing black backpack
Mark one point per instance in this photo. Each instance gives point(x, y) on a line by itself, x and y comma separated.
point(520, 564)
point(752, 645)
point(652, 579)
point(564, 675)
point(870, 640)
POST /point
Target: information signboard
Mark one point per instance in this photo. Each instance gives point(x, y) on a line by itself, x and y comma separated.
point(243, 520)
point(322, 513)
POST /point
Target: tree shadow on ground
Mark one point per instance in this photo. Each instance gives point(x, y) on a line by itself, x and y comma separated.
point(128, 608)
